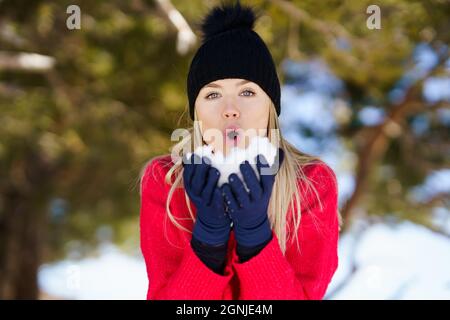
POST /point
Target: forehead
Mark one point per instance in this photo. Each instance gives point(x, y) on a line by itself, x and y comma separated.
point(228, 82)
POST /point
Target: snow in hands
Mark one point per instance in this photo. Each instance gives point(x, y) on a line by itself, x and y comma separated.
point(230, 164)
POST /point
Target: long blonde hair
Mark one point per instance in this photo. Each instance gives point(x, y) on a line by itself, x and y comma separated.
point(285, 191)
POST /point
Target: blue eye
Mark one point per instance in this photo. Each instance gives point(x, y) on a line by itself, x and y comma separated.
point(252, 93)
point(209, 95)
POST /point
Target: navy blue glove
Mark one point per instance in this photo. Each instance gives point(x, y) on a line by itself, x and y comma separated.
point(212, 225)
point(248, 210)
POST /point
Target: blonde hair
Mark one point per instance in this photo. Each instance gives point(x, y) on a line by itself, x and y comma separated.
point(285, 191)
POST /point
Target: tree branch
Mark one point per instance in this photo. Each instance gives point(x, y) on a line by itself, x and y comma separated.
point(378, 137)
point(186, 37)
point(26, 61)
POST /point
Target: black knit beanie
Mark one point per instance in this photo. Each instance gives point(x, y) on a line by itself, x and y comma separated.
point(231, 49)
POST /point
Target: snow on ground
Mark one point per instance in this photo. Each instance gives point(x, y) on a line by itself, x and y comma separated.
point(401, 261)
point(111, 275)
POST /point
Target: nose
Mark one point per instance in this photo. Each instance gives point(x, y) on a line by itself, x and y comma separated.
point(231, 111)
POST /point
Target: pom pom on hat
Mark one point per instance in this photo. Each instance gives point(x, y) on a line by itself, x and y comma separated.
point(227, 17)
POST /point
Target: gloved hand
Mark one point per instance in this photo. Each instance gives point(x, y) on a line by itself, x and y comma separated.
point(248, 210)
point(212, 225)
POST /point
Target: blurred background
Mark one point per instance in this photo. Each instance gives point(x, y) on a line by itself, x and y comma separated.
point(91, 90)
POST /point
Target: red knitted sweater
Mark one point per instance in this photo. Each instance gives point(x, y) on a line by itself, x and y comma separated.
point(175, 272)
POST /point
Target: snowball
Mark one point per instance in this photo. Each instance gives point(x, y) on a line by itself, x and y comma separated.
point(230, 164)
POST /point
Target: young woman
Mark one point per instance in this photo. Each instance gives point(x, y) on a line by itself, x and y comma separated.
point(276, 240)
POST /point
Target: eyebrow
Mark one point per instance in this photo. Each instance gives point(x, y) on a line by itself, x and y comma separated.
point(215, 85)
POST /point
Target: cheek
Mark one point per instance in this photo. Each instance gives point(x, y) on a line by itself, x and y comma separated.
point(210, 122)
point(206, 114)
point(257, 114)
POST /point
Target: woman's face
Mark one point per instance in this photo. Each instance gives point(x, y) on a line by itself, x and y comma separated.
point(231, 111)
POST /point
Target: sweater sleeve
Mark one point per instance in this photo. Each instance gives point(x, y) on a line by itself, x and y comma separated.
point(172, 274)
point(304, 274)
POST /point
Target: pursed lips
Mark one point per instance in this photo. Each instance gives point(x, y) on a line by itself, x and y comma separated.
point(231, 131)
